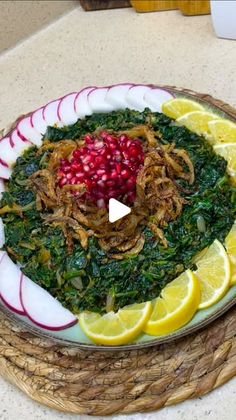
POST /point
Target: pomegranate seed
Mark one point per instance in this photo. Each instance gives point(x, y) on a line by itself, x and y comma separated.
point(113, 146)
point(62, 182)
point(73, 180)
point(66, 168)
point(110, 183)
point(114, 175)
point(98, 145)
point(75, 167)
point(86, 168)
point(125, 173)
point(103, 152)
point(77, 153)
point(134, 152)
point(88, 139)
point(103, 166)
point(104, 177)
point(80, 176)
point(100, 172)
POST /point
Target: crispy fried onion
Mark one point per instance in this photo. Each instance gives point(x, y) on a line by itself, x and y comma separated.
point(158, 199)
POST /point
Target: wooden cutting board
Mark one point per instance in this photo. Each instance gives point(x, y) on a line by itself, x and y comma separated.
point(104, 4)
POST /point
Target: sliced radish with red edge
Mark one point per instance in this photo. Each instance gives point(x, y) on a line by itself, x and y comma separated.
point(27, 132)
point(66, 109)
point(19, 145)
point(116, 95)
point(81, 104)
point(43, 309)
point(7, 153)
point(50, 113)
point(156, 97)
point(97, 100)
point(2, 233)
point(10, 276)
point(135, 97)
point(38, 122)
point(2, 188)
point(2, 253)
point(5, 171)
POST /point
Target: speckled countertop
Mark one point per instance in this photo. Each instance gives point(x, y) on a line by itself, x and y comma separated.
point(100, 48)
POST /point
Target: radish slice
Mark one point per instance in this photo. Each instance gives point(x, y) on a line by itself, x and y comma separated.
point(81, 104)
point(50, 113)
point(10, 276)
point(7, 153)
point(38, 122)
point(66, 109)
point(116, 95)
point(5, 171)
point(2, 188)
point(135, 97)
point(2, 253)
point(156, 97)
point(43, 309)
point(19, 145)
point(2, 233)
point(27, 132)
point(97, 102)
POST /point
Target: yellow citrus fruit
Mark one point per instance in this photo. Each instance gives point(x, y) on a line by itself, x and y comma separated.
point(176, 305)
point(118, 328)
point(213, 271)
point(227, 151)
point(197, 121)
point(232, 177)
point(230, 243)
point(177, 107)
point(223, 131)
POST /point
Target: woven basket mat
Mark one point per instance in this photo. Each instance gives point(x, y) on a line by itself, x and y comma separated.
point(103, 383)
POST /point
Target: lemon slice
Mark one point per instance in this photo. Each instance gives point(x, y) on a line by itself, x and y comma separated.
point(232, 175)
point(175, 307)
point(175, 108)
point(223, 131)
point(116, 328)
point(213, 271)
point(197, 121)
point(227, 151)
point(230, 243)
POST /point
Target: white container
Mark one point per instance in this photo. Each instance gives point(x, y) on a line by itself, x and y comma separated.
point(224, 18)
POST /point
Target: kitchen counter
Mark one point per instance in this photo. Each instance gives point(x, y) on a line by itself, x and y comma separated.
point(108, 47)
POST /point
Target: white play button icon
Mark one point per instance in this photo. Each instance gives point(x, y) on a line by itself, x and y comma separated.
point(117, 210)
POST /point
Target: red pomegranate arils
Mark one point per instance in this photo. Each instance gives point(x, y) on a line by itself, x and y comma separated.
point(107, 164)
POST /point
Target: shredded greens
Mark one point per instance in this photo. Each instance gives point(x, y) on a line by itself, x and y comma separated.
point(88, 279)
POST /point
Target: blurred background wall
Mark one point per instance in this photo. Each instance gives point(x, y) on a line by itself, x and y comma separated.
point(19, 19)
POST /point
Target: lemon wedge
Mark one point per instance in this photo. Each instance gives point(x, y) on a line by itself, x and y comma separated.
point(118, 328)
point(227, 151)
point(223, 131)
point(198, 122)
point(213, 271)
point(230, 243)
point(177, 107)
point(176, 306)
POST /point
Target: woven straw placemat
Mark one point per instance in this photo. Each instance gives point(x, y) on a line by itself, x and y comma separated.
point(104, 383)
